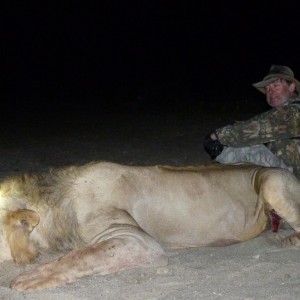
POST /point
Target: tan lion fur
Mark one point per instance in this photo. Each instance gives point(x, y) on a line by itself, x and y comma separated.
point(107, 217)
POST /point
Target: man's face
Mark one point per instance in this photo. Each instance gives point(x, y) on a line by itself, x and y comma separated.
point(278, 92)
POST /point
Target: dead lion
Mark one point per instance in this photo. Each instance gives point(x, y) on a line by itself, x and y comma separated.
point(108, 217)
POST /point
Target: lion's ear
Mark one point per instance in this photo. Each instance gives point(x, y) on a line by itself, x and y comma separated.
point(18, 226)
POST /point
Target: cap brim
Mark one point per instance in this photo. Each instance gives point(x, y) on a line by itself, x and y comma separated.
point(262, 84)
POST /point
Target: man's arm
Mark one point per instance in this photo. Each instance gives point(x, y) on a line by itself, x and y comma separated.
point(264, 128)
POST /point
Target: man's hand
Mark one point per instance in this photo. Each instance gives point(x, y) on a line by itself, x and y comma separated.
point(212, 146)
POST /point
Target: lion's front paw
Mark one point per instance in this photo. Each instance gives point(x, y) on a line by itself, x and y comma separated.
point(42, 277)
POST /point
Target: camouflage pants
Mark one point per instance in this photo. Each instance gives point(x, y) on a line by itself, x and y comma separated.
point(258, 154)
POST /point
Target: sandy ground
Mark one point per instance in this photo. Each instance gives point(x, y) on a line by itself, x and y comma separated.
point(257, 269)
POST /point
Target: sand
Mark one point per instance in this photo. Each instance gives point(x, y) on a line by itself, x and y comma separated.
point(256, 269)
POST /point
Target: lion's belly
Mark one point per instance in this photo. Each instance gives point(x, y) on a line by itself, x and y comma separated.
point(212, 218)
point(203, 229)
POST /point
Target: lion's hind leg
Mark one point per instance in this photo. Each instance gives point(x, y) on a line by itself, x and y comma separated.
point(124, 249)
point(281, 191)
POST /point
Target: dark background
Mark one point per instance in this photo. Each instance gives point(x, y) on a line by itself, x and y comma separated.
point(141, 56)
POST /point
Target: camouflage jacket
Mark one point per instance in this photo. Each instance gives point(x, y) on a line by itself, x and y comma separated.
point(278, 129)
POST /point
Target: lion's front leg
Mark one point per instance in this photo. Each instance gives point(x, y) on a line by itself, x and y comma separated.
point(112, 255)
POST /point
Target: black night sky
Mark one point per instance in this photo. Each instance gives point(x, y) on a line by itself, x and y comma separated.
point(139, 55)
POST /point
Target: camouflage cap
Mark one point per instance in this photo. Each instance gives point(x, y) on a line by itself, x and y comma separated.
point(276, 72)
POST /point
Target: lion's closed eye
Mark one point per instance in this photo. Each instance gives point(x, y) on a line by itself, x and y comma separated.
point(24, 223)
